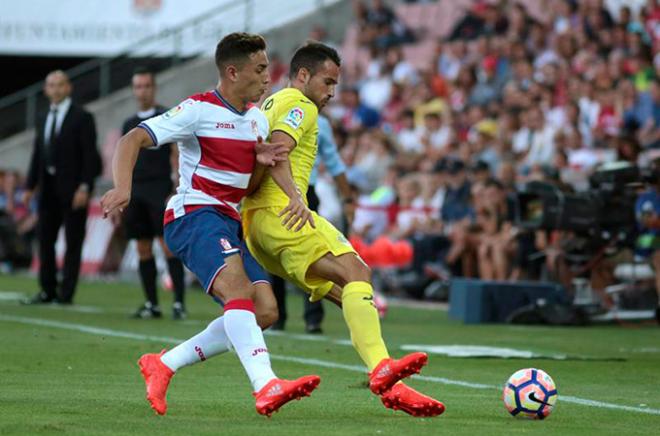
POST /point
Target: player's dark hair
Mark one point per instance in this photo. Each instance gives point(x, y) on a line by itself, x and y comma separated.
point(141, 70)
point(237, 47)
point(311, 56)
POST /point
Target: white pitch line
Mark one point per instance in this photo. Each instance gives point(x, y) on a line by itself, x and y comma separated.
point(88, 329)
point(315, 362)
point(76, 308)
point(593, 403)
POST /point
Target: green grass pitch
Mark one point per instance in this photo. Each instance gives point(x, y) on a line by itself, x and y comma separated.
point(73, 371)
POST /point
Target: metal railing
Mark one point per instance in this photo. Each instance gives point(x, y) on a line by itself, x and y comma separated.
point(99, 77)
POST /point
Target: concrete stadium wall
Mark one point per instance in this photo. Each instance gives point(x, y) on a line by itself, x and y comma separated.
point(175, 84)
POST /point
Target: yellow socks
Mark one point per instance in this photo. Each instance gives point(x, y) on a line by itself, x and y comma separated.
point(362, 319)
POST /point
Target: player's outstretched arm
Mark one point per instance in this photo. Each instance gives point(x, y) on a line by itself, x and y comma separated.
point(296, 211)
point(123, 163)
point(268, 154)
point(255, 179)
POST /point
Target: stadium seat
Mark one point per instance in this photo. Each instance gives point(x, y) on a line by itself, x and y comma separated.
point(412, 15)
point(421, 54)
point(444, 15)
point(536, 9)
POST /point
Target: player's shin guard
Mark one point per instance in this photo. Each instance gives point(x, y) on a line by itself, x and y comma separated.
point(362, 319)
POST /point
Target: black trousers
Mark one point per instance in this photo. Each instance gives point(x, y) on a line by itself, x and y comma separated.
point(313, 312)
point(53, 212)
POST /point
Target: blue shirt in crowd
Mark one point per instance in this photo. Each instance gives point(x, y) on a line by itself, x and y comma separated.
point(648, 204)
point(327, 152)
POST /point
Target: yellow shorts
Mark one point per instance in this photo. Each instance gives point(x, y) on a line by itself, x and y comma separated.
point(289, 254)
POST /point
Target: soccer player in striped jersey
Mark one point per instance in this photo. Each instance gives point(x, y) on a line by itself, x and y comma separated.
point(220, 135)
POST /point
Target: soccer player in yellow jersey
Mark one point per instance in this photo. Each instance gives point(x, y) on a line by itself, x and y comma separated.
point(293, 242)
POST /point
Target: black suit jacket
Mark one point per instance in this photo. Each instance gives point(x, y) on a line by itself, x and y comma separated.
point(76, 160)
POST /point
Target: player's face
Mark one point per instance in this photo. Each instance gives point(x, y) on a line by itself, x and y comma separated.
point(320, 87)
point(254, 77)
point(57, 87)
point(144, 90)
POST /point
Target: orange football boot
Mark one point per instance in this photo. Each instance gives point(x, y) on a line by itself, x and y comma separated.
point(406, 399)
point(389, 371)
point(157, 377)
point(278, 392)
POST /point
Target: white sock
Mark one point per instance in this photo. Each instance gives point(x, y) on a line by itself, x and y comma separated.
point(210, 342)
point(248, 341)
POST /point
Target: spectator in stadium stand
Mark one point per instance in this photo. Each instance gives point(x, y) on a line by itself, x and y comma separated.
point(411, 214)
point(650, 119)
point(64, 165)
point(497, 247)
point(355, 114)
point(458, 214)
point(483, 19)
point(153, 183)
point(647, 211)
point(17, 223)
point(532, 91)
point(380, 27)
point(541, 140)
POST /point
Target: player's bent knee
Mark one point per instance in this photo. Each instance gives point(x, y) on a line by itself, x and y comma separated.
point(360, 272)
point(243, 291)
point(232, 283)
point(267, 317)
point(265, 305)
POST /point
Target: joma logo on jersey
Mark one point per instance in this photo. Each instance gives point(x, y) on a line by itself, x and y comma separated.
point(224, 126)
point(259, 350)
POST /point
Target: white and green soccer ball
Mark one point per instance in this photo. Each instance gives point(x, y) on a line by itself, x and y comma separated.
point(530, 393)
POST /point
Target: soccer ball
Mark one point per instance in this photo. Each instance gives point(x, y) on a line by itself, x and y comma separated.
point(530, 393)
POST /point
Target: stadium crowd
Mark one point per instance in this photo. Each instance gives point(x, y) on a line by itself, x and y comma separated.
point(441, 132)
point(441, 124)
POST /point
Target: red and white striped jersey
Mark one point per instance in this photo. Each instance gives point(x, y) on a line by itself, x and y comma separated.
point(216, 151)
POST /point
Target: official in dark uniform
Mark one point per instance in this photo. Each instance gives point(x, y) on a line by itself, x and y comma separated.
point(153, 177)
point(64, 164)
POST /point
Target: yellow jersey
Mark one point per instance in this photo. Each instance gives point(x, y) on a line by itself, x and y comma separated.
point(291, 112)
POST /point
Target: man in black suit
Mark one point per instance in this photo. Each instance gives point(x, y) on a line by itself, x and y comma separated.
point(64, 164)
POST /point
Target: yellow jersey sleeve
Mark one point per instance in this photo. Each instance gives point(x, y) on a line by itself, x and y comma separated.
point(292, 115)
point(289, 111)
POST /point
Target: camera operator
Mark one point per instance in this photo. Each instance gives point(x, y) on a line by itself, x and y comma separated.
point(497, 243)
point(647, 212)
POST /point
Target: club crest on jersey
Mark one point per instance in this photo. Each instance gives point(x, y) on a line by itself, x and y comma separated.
point(295, 117)
point(255, 128)
point(173, 112)
point(225, 244)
